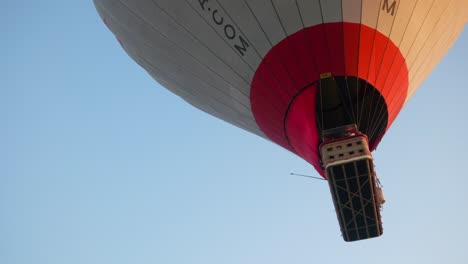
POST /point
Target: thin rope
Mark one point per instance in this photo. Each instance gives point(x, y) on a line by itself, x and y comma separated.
point(308, 176)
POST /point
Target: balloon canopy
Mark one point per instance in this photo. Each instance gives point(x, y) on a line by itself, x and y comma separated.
point(324, 79)
point(289, 70)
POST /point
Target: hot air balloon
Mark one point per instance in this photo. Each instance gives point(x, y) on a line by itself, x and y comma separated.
point(324, 79)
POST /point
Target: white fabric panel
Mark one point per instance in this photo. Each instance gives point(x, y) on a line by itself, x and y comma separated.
point(196, 101)
point(173, 76)
point(220, 21)
point(438, 34)
point(331, 11)
point(178, 37)
point(199, 100)
point(370, 12)
point(454, 25)
point(352, 11)
point(289, 15)
point(434, 16)
point(134, 30)
point(414, 25)
point(402, 18)
point(463, 10)
point(177, 68)
point(430, 31)
point(162, 79)
point(198, 85)
point(239, 12)
point(165, 53)
point(450, 20)
point(310, 12)
point(189, 18)
point(265, 14)
point(440, 51)
point(387, 16)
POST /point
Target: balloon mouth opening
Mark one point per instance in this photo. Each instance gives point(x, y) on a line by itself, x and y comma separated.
point(343, 101)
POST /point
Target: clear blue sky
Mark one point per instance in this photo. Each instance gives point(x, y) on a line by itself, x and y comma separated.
point(99, 164)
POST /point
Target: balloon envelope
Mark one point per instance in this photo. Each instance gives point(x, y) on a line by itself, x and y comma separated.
point(287, 70)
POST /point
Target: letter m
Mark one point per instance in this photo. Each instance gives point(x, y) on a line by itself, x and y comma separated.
point(389, 8)
point(242, 49)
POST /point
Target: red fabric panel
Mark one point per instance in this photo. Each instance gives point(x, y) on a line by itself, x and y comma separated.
point(303, 45)
point(397, 99)
point(301, 127)
point(289, 59)
point(378, 53)
point(396, 87)
point(351, 48)
point(365, 51)
point(335, 43)
point(319, 48)
point(386, 66)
